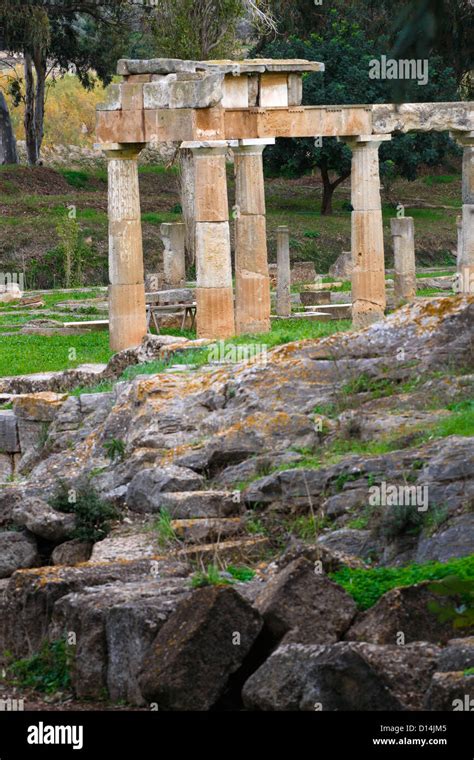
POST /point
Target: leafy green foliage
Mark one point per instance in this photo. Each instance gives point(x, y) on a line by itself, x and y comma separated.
point(457, 605)
point(93, 516)
point(46, 671)
point(115, 449)
point(164, 529)
point(366, 586)
point(215, 577)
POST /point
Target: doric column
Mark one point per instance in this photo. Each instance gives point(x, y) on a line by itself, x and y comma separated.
point(252, 283)
point(368, 276)
point(403, 236)
point(466, 258)
point(283, 296)
point(214, 293)
point(127, 311)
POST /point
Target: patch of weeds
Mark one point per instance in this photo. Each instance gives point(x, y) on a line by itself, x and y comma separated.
point(401, 519)
point(210, 577)
point(46, 671)
point(469, 672)
point(307, 527)
point(164, 528)
point(241, 573)
point(255, 527)
point(434, 518)
point(93, 516)
point(457, 601)
point(342, 479)
point(326, 410)
point(367, 585)
point(115, 449)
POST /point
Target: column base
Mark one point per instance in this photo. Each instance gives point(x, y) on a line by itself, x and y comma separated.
point(252, 298)
point(215, 312)
point(127, 316)
point(365, 314)
point(404, 287)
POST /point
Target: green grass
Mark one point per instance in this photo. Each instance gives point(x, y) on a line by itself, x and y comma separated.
point(25, 354)
point(163, 526)
point(366, 586)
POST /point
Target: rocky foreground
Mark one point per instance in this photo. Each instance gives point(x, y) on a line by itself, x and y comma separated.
point(222, 467)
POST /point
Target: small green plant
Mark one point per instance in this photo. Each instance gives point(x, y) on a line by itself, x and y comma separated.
point(115, 449)
point(210, 577)
point(255, 527)
point(241, 573)
point(93, 516)
point(342, 479)
point(434, 517)
point(469, 672)
point(46, 671)
point(307, 527)
point(164, 528)
point(401, 519)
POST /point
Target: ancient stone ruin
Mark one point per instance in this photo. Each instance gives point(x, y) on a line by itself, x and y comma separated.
point(217, 106)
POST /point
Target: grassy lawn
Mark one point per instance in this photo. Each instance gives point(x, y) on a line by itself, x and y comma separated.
point(25, 354)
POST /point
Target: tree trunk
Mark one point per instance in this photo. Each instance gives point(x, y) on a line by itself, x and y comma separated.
point(328, 188)
point(29, 118)
point(8, 154)
point(40, 69)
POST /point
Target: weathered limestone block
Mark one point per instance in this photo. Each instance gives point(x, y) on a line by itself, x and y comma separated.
point(155, 66)
point(213, 266)
point(210, 199)
point(9, 441)
point(204, 92)
point(174, 264)
point(283, 307)
point(127, 315)
point(422, 117)
point(303, 272)
point(403, 234)
point(6, 467)
point(235, 92)
point(295, 89)
point(343, 266)
point(113, 100)
point(251, 244)
point(16, 551)
point(253, 305)
point(215, 310)
point(132, 96)
point(274, 90)
point(156, 94)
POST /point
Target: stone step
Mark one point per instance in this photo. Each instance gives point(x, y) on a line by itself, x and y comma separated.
point(335, 310)
point(186, 505)
point(236, 550)
point(315, 297)
point(195, 531)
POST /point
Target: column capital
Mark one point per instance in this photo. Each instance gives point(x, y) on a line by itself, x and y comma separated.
point(364, 141)
point(125, 151)
point(208, 147)
point(464, 139)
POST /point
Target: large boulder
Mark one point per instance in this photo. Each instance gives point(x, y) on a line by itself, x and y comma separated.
point(197, 650)
point(450, 692)
point(304, 606)
point(145, 490)
point(401, 611)
point(44, 521)
point(458, 655)
point(16, 551)
point(314, 677)
point(456, 540)
point(72, 552)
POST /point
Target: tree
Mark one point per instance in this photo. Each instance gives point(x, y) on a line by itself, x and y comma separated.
point(83, 34)
point(205, 29)
point(346, 51)
point(8, 153)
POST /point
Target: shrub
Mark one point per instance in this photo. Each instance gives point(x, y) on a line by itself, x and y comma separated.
point(48, 670)
point(93, 516)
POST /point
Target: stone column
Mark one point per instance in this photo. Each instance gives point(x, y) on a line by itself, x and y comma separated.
point(214, 293)
point(403, 235)
point(173, 235)
point(466, 260)
point(252, 283)
point(127, 311)
point(459, 245)
point(283, 299)
point(368, 275)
